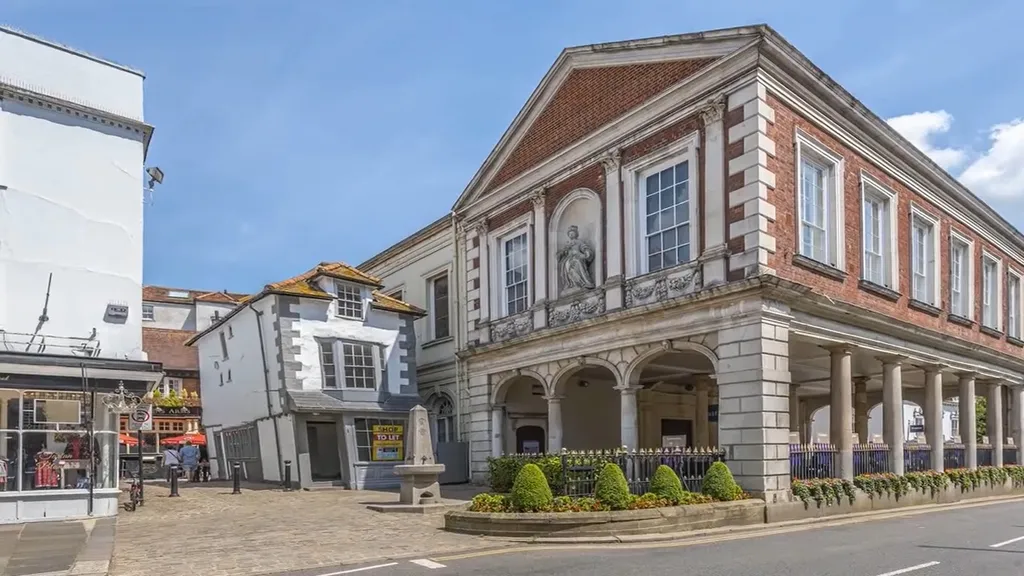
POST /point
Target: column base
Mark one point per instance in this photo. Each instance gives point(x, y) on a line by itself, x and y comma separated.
point(715, 265)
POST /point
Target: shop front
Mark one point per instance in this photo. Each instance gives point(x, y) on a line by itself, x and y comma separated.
point(169, 422)
point(59, 446)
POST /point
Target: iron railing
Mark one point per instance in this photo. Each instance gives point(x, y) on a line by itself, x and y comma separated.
point(870, 459)
point(579, 469)
point(1011, 457)
point(984, 455)
point(812, 461)
point(917, 457)
point(954, 456)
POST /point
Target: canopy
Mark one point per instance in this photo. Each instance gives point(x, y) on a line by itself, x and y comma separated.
point(194, 437)
point(126, 439)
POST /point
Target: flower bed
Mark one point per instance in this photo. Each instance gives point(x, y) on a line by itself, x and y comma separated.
point(502, 503)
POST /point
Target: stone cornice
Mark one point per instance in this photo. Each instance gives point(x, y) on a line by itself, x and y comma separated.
point(82, 111)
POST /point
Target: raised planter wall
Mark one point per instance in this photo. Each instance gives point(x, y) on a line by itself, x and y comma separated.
point(569, 524)
point(863, 502)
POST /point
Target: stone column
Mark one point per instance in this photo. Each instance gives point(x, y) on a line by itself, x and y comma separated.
point(628, 429)
point(715, 247)
point(841, 408)
point(701, 426)
point(497, 431)
point(968, 421)
point(933, 415)
point(1014, 424)
point(613, 296)
point(554, 424)
point(795, 421)
point(484, 279)
point(994, 415)
point(539, 282)
point(753, 408)
point(892, 411)
point(860, 405)
point(1017, 392)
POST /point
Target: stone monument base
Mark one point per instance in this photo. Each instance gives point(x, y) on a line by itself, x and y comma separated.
point(419, 485)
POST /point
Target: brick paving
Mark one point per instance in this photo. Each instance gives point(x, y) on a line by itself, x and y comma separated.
point(211, 532)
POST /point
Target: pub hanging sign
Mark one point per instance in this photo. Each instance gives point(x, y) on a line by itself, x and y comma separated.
point(387, 442)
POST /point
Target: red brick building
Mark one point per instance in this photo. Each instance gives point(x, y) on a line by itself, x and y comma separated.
point(698, 240)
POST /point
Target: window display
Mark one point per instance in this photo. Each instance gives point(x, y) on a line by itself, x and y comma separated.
point(46, 443)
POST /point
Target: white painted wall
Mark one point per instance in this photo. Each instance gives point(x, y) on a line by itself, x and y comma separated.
point(49, 68)
point(410, 271)
point(204, 313)
point(171, 316)
point(243, 397)
point(70, 201)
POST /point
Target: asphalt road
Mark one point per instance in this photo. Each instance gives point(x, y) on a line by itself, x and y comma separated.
point(974, 541)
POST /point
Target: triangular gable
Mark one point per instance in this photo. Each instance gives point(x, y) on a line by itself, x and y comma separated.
point(589, 87)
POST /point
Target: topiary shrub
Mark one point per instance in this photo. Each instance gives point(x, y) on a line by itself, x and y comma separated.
point(611, 488)
point(720, 485)
point(665, 484)
point(502, 471)
point(530, 492)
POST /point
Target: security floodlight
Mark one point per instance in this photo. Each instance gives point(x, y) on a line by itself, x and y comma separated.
point(156, 175)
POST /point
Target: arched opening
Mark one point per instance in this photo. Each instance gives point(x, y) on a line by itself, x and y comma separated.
point(590, 408)
point(443, 410)
point(677, 399)
point(522, 399)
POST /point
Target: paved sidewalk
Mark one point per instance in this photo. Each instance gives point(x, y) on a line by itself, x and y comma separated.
point(210, 532)
point(57, 548)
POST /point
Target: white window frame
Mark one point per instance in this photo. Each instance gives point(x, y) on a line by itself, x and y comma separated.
point(635, 209)
point(432, 313)
point(1015, 325)
point(169, 384)
point(151, 309)
point(996, 321)
point(398, 293)
point(872, 189)
point(337, 347)
point(916, 213)
point(348, 287)
point(496, 253)
point(835, 241)
point(956, 238)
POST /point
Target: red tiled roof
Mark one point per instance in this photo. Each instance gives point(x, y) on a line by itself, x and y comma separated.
point(163, 294)
point(168, 347)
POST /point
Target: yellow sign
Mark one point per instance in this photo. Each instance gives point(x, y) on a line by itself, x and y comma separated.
point(387, 443)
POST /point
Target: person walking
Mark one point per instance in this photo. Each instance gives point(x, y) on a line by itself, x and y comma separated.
point(190, 460)
point(172, 457)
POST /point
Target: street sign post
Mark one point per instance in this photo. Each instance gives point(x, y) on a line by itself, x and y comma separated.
point(141, 418)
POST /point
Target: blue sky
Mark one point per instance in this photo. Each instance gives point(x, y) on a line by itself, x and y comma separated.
point(298, 131)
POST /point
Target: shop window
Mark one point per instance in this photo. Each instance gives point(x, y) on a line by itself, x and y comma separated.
point(366, 451)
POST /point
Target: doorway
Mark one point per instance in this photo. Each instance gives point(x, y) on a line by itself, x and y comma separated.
point(530, 440)
point(676, 433)
point(324, 458)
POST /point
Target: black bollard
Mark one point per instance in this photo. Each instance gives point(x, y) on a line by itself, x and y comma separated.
point(236, 478)
point(287, 475)
point(174, 481)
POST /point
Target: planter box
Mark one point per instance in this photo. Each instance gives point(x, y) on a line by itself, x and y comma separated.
point(788, 511)
point(569, 524)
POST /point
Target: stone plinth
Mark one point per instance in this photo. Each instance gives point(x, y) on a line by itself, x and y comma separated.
point(419, 474)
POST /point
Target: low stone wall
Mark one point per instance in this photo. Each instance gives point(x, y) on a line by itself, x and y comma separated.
point(863, 502)
point(623, 522)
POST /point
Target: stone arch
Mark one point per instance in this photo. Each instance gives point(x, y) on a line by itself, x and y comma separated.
point(501, 387)
point(636, 366)
point(563, 373)
point(590, 230)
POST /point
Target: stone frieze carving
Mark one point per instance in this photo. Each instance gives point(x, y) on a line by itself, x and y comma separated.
point(580, 309)
point(664, 285)
point(512, 327)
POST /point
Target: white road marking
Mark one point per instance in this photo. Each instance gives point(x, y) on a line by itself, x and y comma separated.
point(1001, 544)
point(427, 563)
point(364, 568)
point(911, 569)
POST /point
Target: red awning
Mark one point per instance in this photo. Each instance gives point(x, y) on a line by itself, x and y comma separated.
point(197, 439)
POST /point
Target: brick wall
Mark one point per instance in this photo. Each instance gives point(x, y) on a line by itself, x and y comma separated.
point(588, 99)
point(783, 196)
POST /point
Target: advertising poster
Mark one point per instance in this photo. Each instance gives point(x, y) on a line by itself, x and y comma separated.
point(387, 442)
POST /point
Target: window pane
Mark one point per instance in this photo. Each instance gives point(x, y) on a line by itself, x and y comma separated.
point(654, 244)
point(652, 184)
point(516, 267)
point(683, 253)
point(665, 235)
point(653, 223)
point(440, 307)
point(667, 178)
point(669, 258)
point(683, 172)
point(652, 204)
point(654, 262)
point(359, 369)
point(668, 218)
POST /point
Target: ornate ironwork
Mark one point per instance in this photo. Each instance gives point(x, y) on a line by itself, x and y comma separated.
point(121, 401)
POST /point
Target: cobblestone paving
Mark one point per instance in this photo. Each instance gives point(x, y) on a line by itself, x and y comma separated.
point(210, 532)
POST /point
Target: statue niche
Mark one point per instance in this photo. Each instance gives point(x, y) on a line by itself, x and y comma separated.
point(575, 263)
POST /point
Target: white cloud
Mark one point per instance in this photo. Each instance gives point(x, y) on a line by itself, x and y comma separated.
point(921, 127)
point(994, 173)
point(999, 172)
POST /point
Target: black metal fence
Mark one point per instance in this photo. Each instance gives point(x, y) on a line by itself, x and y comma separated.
point(579, 469)
point(984, 455)
point(1011, 457)
point(954, 456)
point(812, 461)
point(917, 457)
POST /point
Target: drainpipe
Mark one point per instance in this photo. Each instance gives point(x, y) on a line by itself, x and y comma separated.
point(266, 382)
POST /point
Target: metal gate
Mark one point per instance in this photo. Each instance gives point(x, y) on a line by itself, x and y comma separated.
point(455, 457)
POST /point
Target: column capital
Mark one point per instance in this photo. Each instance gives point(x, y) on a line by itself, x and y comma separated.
point(628, 390)
point(840, 348)
point(891, 359)
point(612, 160)
point(554, 398)
point(713, 110)
point(933, 368)
point(966, 375)
point(480, 226)
point(861, 379)
point(703, 381)
point(537, 196)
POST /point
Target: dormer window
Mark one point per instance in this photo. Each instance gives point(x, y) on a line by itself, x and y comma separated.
point(177, 294)
point(349, 301)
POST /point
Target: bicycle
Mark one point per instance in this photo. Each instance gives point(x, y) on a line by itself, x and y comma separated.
point(134, 494)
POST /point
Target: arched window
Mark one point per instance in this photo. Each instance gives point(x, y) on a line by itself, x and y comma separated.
point(444, 412)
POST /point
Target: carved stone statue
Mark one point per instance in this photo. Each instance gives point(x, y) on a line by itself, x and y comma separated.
point(574, 260)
